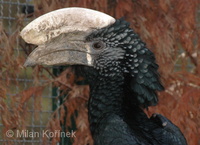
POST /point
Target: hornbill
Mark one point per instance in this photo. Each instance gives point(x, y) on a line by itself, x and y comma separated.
point(121, 71)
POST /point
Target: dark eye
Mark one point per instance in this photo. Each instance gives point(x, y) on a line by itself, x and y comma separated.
point(98, 45)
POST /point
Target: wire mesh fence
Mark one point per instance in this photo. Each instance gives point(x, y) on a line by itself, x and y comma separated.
point(9, 11)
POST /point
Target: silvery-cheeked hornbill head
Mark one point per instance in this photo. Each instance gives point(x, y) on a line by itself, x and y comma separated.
point(80, 36)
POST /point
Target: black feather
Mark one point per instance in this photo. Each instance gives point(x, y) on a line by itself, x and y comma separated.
point(124, 78)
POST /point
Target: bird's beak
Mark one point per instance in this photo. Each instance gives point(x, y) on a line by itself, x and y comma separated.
point(62, 51)
point(60, 36)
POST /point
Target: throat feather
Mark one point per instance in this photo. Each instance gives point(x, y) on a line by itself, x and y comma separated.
point(105, 98)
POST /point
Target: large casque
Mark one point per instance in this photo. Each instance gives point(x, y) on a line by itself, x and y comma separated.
point(52, 24)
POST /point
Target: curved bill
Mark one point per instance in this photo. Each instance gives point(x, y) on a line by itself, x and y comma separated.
point(62, 51)
point(61, 34)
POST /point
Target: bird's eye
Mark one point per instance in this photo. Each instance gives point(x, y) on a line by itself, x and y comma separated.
point(98, 45)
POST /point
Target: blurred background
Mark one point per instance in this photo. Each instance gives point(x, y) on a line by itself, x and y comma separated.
point(37, 98)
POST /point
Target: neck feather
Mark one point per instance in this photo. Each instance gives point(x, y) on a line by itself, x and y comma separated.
point(105, 97)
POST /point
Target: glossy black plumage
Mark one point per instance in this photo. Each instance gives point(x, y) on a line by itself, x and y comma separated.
point(123, 79)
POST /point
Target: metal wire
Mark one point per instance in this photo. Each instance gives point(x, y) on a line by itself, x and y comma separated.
point(8, 12)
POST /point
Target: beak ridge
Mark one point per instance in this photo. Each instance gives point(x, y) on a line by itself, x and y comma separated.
point(60, 53)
